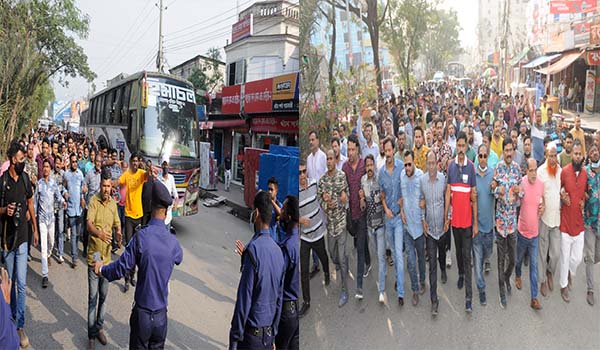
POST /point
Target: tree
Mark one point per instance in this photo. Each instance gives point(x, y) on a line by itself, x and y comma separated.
point(403, 31)
point(441, 42)
point(207, 77)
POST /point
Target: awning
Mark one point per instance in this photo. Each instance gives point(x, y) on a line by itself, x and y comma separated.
point(518, 58)
point(562, 63)
point(540, 60)
point(222, 124)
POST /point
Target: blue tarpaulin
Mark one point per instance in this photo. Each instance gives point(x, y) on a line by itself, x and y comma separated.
point(285, 150)
point(284, 168)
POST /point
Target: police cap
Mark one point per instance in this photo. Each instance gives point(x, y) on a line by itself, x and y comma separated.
point(161, 198)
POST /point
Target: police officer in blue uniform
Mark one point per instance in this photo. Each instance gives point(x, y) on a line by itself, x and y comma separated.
point(288, 332)
point(155, 251)
point(260, 292)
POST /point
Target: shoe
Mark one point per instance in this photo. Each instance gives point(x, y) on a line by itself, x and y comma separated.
point(390, 260)
point(91, 344)
point(482, 299)
point(304, 309)
point(564, 293)
point(395, 286)
point(359, 294)
point(415, 299)
point(327, 279)
point(366, 274)
point(29, 257)
point(125, 287)
point(570, 284)
point(448, 261)
point(343, 299)
point(316, 270)
point(544, 289)
point(102, 337)
point(590, 298)
point(508, 287)
point(132, 281)
point(550, 281)
point(45, 282)
point(434, 307)
point(518, 283)
point(535, 304)
point(74, 263)
point(444, 277)
point(337, 268)
point(23, 338)
point(61, 259)
point(422, 288)
point(461, 282)
point(468, 307)
point(487, 267)
point(502, 301)
point(381, 298)
point(401, 301)
point(526, 262)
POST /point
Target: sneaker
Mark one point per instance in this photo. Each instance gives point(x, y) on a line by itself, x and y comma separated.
point(468, 307)
point(359, 294)
point(535, 304)
point(366, 274)
point(482, 299)
point(23, 339)
point(502, 301)
point(343, 299)
point(304, 309)
point(61, 259)
point(487, 267)
point(444, 277)
point(434, 307)
point(448, 261)
point(45, 282)
point(381, 298)
point(461, 282)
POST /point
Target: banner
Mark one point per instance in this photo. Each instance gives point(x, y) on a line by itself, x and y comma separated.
point(231, 99)
point(275, 125)
point(590, 91)
point(257, 96)
point(572, 6)
point(242, 29)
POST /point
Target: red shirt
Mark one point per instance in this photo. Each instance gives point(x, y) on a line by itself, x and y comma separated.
point(571, 217)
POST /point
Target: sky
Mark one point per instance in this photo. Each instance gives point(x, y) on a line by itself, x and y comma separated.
point(467, 11)
point(123, 35)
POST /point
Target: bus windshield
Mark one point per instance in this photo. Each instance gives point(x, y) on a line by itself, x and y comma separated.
point(169, 123)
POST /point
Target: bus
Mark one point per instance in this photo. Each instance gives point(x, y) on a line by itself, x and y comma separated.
point(153, 114)
point(455, 69)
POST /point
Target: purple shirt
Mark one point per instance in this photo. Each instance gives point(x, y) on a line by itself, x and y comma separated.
point(353, 177)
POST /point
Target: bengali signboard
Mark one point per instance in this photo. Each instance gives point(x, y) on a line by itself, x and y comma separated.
point(285, 93)
point(592, 58)
point(572, 6)
point(232, 97)
point(595, 33)
point(242, 28)
point(257, 96)
point(275, 124)
point(590, 91)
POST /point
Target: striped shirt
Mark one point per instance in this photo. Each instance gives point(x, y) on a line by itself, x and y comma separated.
point(434, 195)
point(310, 208)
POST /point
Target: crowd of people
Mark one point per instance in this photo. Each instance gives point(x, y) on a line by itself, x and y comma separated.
point(58, 187)
point(447, 162)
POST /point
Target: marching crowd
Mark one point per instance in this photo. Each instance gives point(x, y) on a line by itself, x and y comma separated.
point(442, 163)
point(58, 187)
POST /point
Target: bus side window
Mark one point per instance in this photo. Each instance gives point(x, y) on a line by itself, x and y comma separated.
point(132, 130)
point(108, 116)
point(125, 105)
point(116, 110)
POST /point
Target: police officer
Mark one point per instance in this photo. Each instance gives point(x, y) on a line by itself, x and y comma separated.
point(154, 250)
point(288, 331)
point(260, 292)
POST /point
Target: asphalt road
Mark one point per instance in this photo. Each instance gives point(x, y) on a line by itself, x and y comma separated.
point(367, 324)
point(201, 299)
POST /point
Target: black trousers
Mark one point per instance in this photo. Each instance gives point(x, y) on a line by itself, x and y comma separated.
point(148, 328)
point(506, 258)
point(463, 241)
point(436, 248)
point(317, 246)
point(358, 227)
point(130, 226)
point(288, 333)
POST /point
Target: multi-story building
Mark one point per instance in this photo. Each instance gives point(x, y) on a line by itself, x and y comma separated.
point(206, 64)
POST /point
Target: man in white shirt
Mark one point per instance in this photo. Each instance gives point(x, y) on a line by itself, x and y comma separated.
point(339, 158)
point(367, 145)
point(316, 162)
point(169, 181)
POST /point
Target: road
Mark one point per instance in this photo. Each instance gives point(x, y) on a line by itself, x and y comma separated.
point(201, 299)
point(367, 324)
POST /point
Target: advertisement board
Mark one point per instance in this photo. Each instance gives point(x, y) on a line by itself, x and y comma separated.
point(257, 96)
point(285, 93)
point(590, 91)
point(231, 99)
point(242, 29)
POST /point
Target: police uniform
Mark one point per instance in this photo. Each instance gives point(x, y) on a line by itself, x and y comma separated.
point(259, 297)
point(288, 331)
point(154, 250)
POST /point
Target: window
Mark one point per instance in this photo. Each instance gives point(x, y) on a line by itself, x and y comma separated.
point(100, 114)
point(125, 103)
point(107, 116)
point(117, 105)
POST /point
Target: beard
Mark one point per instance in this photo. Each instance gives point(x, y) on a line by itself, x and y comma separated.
point(576, 165)
point(552, 170)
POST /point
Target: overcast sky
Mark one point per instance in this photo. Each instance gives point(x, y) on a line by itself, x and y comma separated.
point(123, 35)
point(467, 16)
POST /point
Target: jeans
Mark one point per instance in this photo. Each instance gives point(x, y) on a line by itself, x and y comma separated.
point(436, 248)
point(338, 252)
point(395, 232)
point(483, 244)
point(46, 243)
point(359, 227)
point(506, 247)
point(16, 264)
point(378, 236)
point(59, 230)
point(75, 225)
point(415, 245)
point(528, 244)
point(463, 241)
point(317, 247)
point(96, 285)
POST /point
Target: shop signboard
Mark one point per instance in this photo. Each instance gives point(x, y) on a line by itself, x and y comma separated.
point(275, 124)
point(257, 96)
point(285, 93)
point(595, 33)
point(572, 6)
point(590, 91)
point(592, 58)
point(242, 28)
point(231, 99)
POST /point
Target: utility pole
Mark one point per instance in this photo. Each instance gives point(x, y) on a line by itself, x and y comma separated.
point(160, 59)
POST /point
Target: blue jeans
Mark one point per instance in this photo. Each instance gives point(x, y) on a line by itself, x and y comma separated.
point(16, 264)
point(75, 224)
point(96, 320)
point(482, 250)
point(531, 244)
point(378, 235)
point(59, 230)
point(415, 246)
point(395, 233)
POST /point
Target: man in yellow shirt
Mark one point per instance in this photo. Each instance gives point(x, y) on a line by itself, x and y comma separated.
point(420, 150)
point(544, 108)
point(496, 138)
point(133, 180)
point(577, 132)
point(102, 218)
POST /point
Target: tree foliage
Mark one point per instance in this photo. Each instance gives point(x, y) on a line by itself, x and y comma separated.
point(441, 41)
point(36, 43)
point(207, 77)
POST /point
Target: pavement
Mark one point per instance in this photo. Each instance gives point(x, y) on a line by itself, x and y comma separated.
point(367, 324)
point(201, 298)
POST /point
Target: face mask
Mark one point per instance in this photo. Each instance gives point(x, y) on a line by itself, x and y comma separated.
point(401, 129)
point(596, 164)
point(19, 168)
point(481, 169)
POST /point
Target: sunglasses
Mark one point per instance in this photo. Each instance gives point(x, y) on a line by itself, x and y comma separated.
point(303, 171)
point(408, 164)
point(483, 156)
